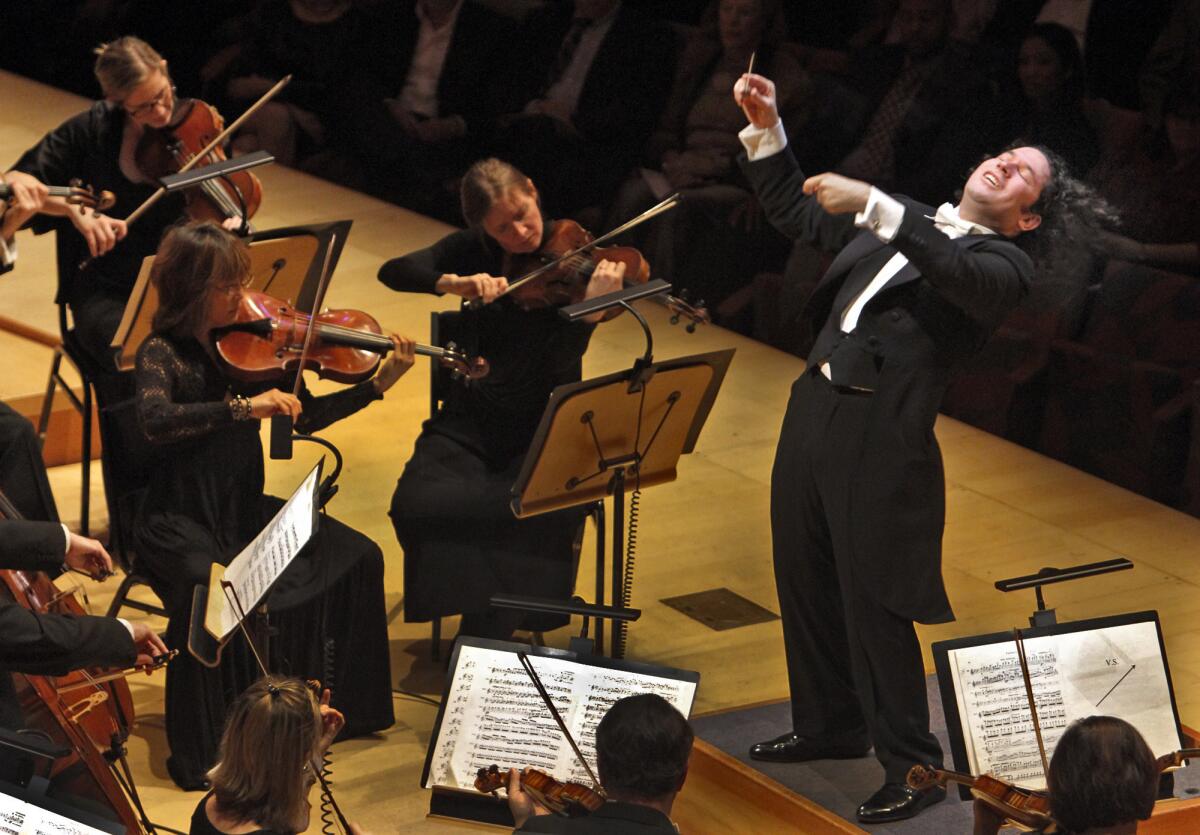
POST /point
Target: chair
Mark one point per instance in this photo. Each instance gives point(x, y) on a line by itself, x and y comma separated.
point(125, 462)
point(444, 328)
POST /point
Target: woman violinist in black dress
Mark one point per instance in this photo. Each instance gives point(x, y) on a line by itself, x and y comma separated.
point(451, 510)
point(205, 503)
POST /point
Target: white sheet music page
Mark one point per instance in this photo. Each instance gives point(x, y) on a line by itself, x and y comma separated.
point(494, 715)
point(262, 561)
point(1114, 671)
point(20, 818)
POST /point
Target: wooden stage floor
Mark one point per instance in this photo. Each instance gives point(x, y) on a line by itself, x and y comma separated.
point(1010, 511)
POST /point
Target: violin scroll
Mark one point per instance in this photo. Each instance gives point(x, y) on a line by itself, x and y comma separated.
point(461, 365)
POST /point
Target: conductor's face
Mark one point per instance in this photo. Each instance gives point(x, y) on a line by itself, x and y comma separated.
point(515, 220)
point(1001, 191)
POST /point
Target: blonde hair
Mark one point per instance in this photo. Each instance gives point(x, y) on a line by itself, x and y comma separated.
point(270, 738)
point(122, 65)
point(485, 183)
point(192, 260)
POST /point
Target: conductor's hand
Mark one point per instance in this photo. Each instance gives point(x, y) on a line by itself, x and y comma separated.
point(522, 806)
point(100, 231)
point(88, 555)
point(332, 721)
point(755, 94)
point(837, 194)
point(274, 402)
point(394, 367)
point(478, 286)
point(608, 277)
point(149, 645)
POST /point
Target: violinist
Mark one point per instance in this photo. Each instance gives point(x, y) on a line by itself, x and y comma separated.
point(451, 510)
point(205, 502)
point(54, 644)
point(277, 732)
point(642, 748)
point(1102, 780)
point(100, 147)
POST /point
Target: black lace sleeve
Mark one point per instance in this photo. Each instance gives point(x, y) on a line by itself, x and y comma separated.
point(319, 412)
point(171, 402)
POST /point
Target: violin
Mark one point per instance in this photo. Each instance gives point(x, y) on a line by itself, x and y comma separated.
point(1026, 807)
point(565, 799)
point(163, 151)
point(266, 341)
point(558, 273)
point(77, 194)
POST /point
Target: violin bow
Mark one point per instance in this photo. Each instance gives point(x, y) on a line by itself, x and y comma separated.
point(318, 301)
point(158, 663)
point(537, 683)
point(666, 205)
point(1037, 727)
point(232, 596)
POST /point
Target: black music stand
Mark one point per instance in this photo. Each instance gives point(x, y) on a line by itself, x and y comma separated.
point(596, 435)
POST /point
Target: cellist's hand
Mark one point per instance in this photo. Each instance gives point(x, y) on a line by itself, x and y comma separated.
point(88, 555)
point(522, 806)
point(394, 367)
point(274, 402)
point(756, 96)
point(149, 645)
point(608, 277)
point(478, 286)
point(100, 231)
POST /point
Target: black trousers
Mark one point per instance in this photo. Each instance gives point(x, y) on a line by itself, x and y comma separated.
point(854, 668)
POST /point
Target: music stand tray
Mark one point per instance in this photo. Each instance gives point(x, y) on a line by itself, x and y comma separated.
point(597, 434)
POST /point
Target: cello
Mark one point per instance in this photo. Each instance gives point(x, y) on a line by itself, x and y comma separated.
point(82, 726)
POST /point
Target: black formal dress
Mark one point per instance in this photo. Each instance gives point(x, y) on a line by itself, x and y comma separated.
point(451, 509)
point(88, 146)
point(22, 471)
point(201, 825)
point(857, 489)
point(48, 644)
point(205, 503)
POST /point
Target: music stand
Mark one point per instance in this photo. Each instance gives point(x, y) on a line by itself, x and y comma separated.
point(596, 435)
point(283, 262)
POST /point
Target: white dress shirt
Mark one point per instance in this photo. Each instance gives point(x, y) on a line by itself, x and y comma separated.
point(419, 95)
point(569, 86)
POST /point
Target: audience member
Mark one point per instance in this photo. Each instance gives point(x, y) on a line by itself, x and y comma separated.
point(594, 75)
point(414, 122)
point(642, 748)
point(321, 44)
point(704, 245)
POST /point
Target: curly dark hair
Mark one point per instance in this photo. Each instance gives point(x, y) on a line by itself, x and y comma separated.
point(1102, 774)
point(642, 748)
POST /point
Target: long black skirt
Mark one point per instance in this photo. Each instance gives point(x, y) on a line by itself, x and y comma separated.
point(327, 619)
point(462, 542)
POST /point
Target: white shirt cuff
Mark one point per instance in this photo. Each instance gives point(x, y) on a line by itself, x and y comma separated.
point(763, 142)
point(8, 252)
point(128, 626)
point(66, 538)
point(882, 215)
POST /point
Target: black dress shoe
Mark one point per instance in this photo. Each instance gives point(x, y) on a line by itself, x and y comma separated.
point(896, 801)
point(793, 748)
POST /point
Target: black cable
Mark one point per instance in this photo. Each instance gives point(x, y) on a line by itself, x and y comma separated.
point(396, 691)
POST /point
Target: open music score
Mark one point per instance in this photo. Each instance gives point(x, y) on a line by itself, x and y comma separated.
point(492, 713)
point(1113, 670)
point(20, 818)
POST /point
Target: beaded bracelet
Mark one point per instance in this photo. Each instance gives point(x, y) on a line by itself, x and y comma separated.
point(240, 407)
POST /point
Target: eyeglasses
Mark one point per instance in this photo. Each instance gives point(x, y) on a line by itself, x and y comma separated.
point(146, 107)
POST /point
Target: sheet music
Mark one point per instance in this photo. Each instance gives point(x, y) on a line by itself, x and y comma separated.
point(20, 818)
point(262, 561)
point(1115, 671)
point(494, 714)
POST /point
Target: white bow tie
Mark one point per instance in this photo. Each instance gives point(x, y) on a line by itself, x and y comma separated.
point(948, 221)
